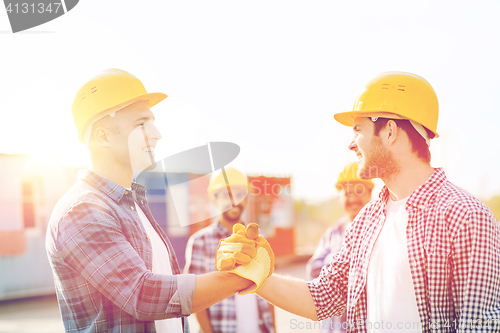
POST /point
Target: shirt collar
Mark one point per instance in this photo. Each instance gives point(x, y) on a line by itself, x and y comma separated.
point(421, 196)
point(111, 189)
point(221, 230)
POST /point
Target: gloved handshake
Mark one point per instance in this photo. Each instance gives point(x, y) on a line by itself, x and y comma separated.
point(247, 254)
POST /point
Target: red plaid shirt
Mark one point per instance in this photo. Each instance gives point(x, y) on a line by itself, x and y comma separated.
point(454, 255)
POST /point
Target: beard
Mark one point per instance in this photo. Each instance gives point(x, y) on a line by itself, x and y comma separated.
point(233, 218)
point(351, 204)
point(378, 162)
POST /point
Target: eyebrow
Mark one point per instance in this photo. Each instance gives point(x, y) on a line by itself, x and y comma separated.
point(144, 119)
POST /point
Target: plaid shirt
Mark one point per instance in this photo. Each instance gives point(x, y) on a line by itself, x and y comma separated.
point(454, 255)
point(101, 259)
point(200, 259)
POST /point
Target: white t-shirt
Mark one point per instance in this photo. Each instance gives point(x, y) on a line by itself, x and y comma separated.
point(391, 302)
point(161, 265)
point(247, 314)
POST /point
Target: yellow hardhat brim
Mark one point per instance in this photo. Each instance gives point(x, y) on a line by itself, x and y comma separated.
point(151, 98)
point(368, 183)
point(347, 118)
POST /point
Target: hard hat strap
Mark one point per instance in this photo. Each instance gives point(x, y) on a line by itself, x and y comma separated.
point(419, 128)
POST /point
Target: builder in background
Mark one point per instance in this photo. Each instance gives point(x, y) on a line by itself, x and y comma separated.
point(114, 268)
point(237, 313)
point(354, 194)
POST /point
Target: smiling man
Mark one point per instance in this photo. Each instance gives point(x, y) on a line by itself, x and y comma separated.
point(114, 268)
point(424, 256)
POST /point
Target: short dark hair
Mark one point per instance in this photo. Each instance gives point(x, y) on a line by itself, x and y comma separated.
point(418, 144)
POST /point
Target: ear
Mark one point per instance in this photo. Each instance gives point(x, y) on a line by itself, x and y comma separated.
point(391, 131)
point(102, 136)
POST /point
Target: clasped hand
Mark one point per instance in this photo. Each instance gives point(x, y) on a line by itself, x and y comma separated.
point(247, 254)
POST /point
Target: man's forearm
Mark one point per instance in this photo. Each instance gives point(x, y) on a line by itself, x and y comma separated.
point(290, 294)
point(213, 287)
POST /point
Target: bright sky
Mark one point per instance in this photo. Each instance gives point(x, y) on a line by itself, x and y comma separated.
point(266, 75)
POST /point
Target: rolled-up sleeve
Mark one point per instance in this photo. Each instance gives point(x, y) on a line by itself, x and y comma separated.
point(182, 301)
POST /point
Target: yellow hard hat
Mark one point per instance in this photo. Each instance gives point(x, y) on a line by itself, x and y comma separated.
point(396, 95)
point(106, 93)
point(350, 175)
point(218, 181)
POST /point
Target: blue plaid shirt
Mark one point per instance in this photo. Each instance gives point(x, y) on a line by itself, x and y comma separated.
point(200, 259)
point(101, 259)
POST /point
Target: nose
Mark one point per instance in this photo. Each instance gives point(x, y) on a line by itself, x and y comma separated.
point(352, 145)
point(157, 134)
point(152, 132)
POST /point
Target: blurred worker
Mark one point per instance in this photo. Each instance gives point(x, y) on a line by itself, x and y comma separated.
point(355, 193)
point(114, 268)
point(237, 313)
point(424, 256)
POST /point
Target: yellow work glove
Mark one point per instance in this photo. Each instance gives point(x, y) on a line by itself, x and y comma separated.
point(255, 268)
point(236, 249)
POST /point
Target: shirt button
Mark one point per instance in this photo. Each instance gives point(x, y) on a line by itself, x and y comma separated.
point(147, 236)
point(126, 192)
point(132, 207)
